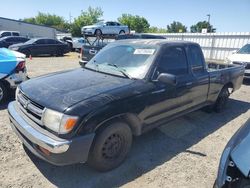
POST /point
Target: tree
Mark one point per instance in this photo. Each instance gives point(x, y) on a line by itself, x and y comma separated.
point(176, 27)
point(197, 28)
point(156, 30)
point(89, 17)
point(137, 23)
point(48, 20)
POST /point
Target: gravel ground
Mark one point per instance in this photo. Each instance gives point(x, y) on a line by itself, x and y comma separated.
point(183, 153)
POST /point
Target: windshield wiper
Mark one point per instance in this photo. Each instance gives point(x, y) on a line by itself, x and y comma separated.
point(120, 70)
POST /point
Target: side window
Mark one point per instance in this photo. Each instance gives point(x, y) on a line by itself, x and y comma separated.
point(173, 61)
point(50, 41)
point(9, 40)
point(15, 34)
point(41, 41)
point(196, 59)
point(23, 39)
point(6, 34)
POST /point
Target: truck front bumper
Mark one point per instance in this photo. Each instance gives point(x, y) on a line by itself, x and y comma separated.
point(47, 146)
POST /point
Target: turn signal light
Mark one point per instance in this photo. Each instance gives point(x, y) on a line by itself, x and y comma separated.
point(69, 125)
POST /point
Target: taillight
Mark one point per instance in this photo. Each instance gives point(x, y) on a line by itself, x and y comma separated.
point(81, 53)
point(20, 66)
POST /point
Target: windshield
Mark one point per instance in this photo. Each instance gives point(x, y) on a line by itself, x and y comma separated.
point(99, 23)
point(31, 41)
point(244, 50)
point(125, 59)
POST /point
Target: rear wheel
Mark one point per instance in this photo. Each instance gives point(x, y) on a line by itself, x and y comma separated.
point(98, 33)
point(26, 52)
point(222, 100)
point(4, 93)
point(111, 146)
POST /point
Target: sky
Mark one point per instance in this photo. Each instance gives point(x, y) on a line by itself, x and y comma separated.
point(226, 15)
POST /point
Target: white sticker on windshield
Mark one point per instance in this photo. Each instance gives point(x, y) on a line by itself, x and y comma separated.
point(144, 51)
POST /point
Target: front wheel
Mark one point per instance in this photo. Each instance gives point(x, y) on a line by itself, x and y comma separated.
point(110, 147)
point(222, 100)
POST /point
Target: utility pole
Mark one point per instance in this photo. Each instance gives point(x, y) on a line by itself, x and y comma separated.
point(70, 17)
point(208, 15)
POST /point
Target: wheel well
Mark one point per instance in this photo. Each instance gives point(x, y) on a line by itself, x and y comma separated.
point(129, 118)
point(229, 85)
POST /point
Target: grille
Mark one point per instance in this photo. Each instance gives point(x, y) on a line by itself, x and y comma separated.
point(31, 109)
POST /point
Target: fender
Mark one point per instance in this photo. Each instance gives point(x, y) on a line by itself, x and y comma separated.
point(95, 120)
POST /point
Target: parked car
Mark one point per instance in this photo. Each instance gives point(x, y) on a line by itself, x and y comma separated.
point(139, 36)
point(105, 28)
point(41, 46)
point(89, 51)
point(130, 87)
point(5, 42)
point(241, 57)
point(9, 33)
point(234, 165)
point(12, 72)
point(77, 43)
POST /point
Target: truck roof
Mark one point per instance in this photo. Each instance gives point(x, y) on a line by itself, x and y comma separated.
point(153, 42)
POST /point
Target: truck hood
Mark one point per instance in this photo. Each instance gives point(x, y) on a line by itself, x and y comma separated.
point(60, 91)
point(240, 57)
point(240, 152)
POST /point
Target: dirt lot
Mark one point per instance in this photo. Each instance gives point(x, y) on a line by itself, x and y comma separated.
point(184, 153)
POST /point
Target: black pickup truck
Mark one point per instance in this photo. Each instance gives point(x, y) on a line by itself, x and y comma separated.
point(91, 114)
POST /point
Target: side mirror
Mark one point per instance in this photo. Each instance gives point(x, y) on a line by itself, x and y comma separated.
point(167, 78)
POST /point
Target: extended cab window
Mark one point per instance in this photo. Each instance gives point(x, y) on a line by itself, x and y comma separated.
point(173, 61)
point(196, 59)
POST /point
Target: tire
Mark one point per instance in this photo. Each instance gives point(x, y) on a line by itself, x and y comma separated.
point(122, 32)
point(4, 93)
point(222, 100)
point(26, 52)
point(98, 33)
point(111, 146)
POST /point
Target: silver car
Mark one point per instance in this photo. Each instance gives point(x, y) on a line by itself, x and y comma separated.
point(105, 28)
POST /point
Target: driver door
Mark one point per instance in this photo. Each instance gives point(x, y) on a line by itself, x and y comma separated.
point(167, 100)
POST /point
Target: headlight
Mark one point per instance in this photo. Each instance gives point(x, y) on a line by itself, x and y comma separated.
point(58, 122)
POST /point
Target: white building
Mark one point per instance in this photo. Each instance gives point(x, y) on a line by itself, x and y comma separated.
point(28, 29)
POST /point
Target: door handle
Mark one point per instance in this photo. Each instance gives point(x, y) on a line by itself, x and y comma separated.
point(93, 52)
point(189, 83)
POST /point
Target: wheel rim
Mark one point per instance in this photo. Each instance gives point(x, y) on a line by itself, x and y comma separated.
point(1, 93)
point(112, 147)
point(98, 33)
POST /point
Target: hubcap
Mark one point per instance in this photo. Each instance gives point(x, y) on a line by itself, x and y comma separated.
point(112, 147)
